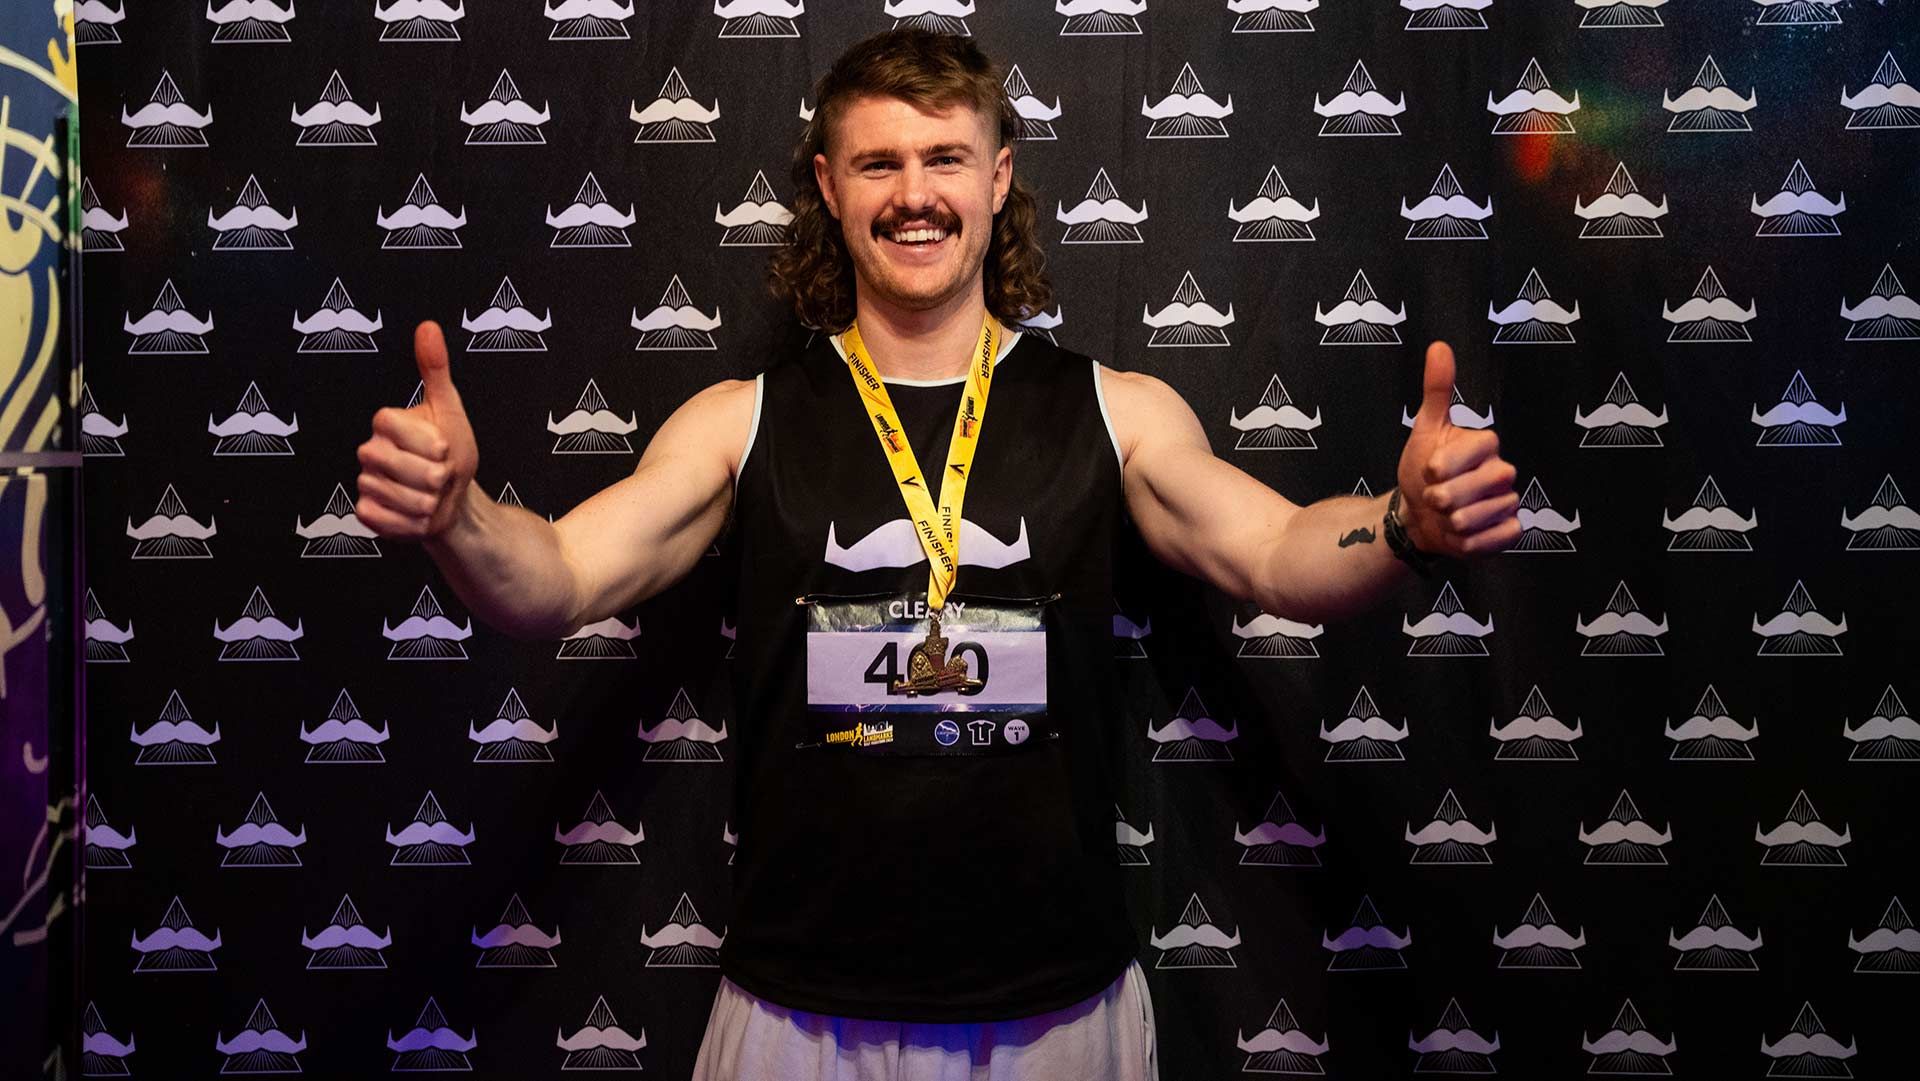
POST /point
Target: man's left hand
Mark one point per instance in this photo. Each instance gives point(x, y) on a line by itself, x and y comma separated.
point(1456, 492)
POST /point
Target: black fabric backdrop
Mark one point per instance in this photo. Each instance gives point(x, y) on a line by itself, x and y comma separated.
point(1811, 729)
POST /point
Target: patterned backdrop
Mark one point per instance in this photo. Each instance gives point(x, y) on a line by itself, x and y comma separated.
point(1632, 798)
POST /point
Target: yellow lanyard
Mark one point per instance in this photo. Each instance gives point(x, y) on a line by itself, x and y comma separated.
point(938, 528)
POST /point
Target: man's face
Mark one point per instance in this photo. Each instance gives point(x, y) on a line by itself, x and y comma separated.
point(915, 192)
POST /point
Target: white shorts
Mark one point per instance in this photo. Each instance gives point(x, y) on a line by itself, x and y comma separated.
point(1108, 1037)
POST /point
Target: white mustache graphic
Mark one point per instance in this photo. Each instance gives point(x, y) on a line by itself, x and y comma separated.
point(1876, 94)
point(1261, 208)
point(896, 545)
point(332, 525)
point(1265, 624)
point(1632, 413)
point(693, 728)
point(502, 729)
point(1620, 623)
point(1721, 308)
point(1463, 5)
point(1178, 314)
point(1632, 204)
point(435, 10)
point(1071, 8)
point(104, 630)
point(1646, 1043)
point(675, 935)
point(1529, 727)
point(579, 9)
point(740, 9)
point(247, 217)
point(1900, 517)
point(1527, 935)
point(1876, 307)
point(1247, 7)
point(174, 525)
point(1272, 1040)
point(1531, 311)
point(97, 219)
point(1794, 1044)
point(1548, 519)
point(1708, 518)
point(1799, 413)
point(251, 423)
point(327, 319)
point(517, 319)
point(179, 321)
point(1463, 832)
point(1375, 728)
point(1717, 727)
point(610, 627)
point(1696, 98)
point(1637, 831)
point(98, 424)
point(1352, 311)
point(1032, 108)
point(1449, 206)
point(606, 832)
point(1441, 1039)
point(512, 112)
point(1204, 935)
point(752, 214)
point(1266, 416)
point(1112, 210)
point(1187, 105)
point(1532, 101)
point(408, 216)
point(907, 9)
point(602, 214)
point(590, 1038)
point(686, 317)
point(1817, 833)
point(685, 109)
point(600, 420)
point(1436, 623)
point(247, 627)
point(1458, 414)
point(345, 112)
point(1788, 202)
point(97, 13)
point(153, 114)
point(1347, 103)
point(234, 11)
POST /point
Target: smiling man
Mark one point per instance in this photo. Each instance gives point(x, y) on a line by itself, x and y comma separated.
point(925, 883)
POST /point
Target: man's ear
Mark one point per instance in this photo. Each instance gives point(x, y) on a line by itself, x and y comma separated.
point(823, 176)
point(1002, 177)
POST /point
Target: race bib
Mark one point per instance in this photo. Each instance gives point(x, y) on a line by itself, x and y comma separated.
point(881, 680)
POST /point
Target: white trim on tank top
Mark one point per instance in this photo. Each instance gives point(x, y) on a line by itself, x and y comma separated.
point(1100, 394)
point(753, 429)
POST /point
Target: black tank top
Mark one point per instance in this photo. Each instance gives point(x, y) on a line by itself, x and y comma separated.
point(937, 889)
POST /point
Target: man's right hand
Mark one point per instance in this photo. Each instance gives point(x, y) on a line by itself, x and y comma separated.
point(416, 469)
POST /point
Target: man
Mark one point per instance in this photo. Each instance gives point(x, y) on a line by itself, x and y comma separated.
point(925, 883)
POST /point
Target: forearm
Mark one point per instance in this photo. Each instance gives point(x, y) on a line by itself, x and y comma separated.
point(1330, 561)
point(508, 566)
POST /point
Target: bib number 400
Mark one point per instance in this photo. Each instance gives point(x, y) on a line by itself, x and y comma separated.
point(885, 669)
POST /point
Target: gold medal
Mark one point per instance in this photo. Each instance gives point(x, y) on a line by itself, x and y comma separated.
point(929, 669)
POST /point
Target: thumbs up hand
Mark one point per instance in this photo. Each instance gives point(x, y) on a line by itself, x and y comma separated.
point(1456, 491)
point(416, 468)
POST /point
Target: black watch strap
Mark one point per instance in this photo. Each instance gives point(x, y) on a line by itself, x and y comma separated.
point(1400, 543)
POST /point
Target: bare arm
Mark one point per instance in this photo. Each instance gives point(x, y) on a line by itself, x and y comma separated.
point(515, 570)
point(1325, 560)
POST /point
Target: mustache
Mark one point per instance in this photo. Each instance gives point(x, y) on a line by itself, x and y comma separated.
point(934, 217)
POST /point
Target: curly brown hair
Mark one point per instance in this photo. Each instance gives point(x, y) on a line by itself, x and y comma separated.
point(812, 269)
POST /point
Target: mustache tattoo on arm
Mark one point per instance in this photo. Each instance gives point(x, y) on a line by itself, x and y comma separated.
point(1363, 535)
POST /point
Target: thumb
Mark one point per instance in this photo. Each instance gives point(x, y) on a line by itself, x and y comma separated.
point(436, 379)
point(1436, 387)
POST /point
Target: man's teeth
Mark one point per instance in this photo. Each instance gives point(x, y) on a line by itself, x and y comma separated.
point(911, 236)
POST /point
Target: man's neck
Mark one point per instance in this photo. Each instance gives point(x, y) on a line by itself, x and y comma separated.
point(933, 344)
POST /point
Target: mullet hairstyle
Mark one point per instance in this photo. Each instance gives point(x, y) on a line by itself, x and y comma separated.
point(812, 270)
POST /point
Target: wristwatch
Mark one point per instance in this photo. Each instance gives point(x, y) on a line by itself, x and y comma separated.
point(1402, 545)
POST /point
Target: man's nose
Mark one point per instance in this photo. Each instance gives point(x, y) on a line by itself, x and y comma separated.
point(911, 191)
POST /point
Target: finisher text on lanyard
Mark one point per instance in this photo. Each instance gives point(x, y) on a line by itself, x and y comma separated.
point(937, 525)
